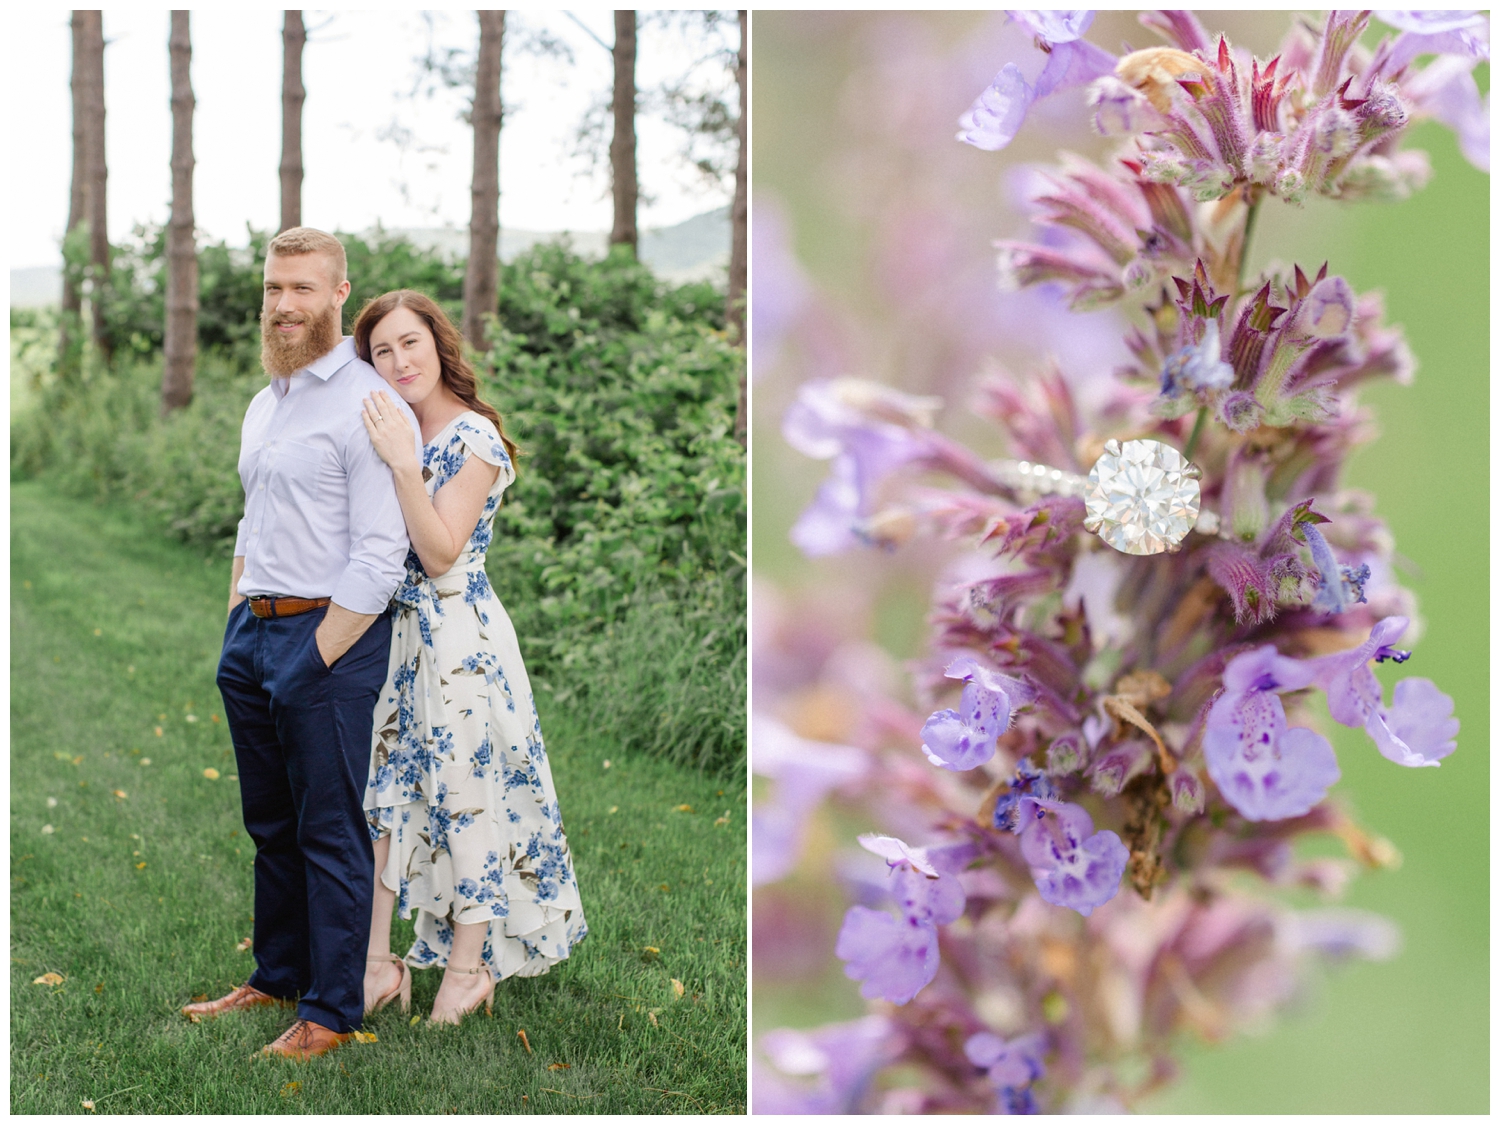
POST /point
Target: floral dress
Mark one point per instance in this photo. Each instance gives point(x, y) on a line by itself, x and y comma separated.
point(458, 773)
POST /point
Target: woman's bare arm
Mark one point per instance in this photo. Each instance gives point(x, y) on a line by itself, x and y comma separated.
point(439, 527)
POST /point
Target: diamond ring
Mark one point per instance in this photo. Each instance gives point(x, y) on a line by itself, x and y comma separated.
point(1141, 497)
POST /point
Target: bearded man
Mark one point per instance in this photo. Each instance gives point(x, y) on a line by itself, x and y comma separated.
point(321, 548)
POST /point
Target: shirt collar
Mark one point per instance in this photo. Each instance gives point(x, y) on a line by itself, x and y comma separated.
point(327, 364)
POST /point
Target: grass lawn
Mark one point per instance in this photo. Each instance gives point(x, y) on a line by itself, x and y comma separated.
point(140, 893)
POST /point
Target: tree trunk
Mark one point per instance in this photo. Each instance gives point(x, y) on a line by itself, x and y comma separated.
point(622, 144)
point(89, 68)
point(72, 300)
point(180, 350)
point(293, 36)
point(481, 278)
point(734, 309)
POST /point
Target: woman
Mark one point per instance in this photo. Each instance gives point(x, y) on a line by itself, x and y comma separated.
point(460, 798)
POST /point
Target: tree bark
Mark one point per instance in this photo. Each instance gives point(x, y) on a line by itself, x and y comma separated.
point(622, 144)
point(89, 69)
point(72, 300)
point(739, 216)
point(481, 278)
point(293, 36)
point(180, 350)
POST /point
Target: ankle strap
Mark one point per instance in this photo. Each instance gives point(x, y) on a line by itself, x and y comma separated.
point(471, 972)
point(391, 957)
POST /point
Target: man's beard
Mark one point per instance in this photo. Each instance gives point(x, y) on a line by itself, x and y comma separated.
point(281, 357)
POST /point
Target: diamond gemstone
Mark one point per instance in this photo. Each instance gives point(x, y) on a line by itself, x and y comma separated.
point(1142, 497)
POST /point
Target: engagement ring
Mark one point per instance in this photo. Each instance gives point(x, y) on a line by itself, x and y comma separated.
point(1141, 496)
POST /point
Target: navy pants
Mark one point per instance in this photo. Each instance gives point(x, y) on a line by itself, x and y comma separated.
point(301, 736)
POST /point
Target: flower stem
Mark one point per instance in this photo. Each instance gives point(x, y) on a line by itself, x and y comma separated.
point(1252, 209)
point(1192, 442)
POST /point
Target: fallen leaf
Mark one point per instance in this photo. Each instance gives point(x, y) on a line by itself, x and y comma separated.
point(559, 1066)
point(613, 809)
point(130, 669)
point(213, 718)
point(98, 632)
point(52, 802)
point(98, 988)
point(677, 987)
point(719, 822)
point(49, 978)
point(606, 763)
point(47, 830)
point(211, 773)
point(161, 718)
point(291, 1088)
point(198, 998)
point(365, 1037)
point(158, 732)
point(140, 865)
point(684, 808)
point(120, 793)
point(524, 1041)
point(61, 757)
point(651, 1015)
point(650, 953)
point(190, 718)
point(665, 887)
point(77, 759)
point(88, 1105)
point(145, 761)
point(414, 1021)
point(243, 945)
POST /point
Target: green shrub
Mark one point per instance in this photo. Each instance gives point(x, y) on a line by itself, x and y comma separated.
point(619, 551)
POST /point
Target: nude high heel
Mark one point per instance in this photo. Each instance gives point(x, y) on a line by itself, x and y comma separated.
point(402, 990)
point(488, 1000)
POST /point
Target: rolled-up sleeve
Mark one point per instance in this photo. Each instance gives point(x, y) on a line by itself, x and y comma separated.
point(377, 530)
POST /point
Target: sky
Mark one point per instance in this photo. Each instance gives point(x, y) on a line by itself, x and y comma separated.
point(360, 70)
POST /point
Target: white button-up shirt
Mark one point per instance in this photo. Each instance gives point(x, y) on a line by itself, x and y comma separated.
point(321, 515)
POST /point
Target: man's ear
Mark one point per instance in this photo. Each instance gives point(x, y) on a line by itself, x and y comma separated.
point(341, 294)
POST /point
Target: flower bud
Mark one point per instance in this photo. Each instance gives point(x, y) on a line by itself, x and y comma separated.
point(1264, 159)
point(1114, 768)
point(1240, 412)
point(1066, 754)
point(1187, 792)
point(1328, 311)
point(1291, 186)
point(1335, 133)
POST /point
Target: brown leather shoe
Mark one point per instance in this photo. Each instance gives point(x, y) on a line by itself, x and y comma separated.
point(242, 997)
point(305, 1040)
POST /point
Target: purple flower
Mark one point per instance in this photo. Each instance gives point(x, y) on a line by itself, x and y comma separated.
point(805, 771)
point(1012, 1066)
point(897, 957)
point(1446, 90)
point(1339, 587)
point(825, 1069)
point(1055, 27)
point(993, 120)
point(1341, 932)
point(1028, 782)
point(1465, 34)
point(1072, 865)
point(1327, 312)
point(961, 740)
point(868, 432)
point(1197, 367)
point(1262, 768)
point(1418, 729)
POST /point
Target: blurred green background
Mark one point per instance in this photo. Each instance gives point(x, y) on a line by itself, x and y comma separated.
point(841, 135)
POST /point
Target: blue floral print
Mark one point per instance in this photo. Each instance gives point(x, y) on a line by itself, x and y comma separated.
point(458, 774)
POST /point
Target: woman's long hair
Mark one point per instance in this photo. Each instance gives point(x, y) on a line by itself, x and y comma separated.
point(456, 371)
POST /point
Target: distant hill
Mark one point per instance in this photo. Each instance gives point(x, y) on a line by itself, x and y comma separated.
point(693, 250)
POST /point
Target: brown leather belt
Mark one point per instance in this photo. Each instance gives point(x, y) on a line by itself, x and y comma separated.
point(263, 606)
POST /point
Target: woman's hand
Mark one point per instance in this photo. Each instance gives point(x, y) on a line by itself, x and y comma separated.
point(390, 433)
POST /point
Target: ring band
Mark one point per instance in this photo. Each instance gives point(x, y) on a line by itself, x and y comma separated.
point(1142, 497)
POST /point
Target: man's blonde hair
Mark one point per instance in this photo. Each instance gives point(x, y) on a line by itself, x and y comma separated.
point(309, 240)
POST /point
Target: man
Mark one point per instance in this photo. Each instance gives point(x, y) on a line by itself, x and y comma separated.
point(320, 550)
